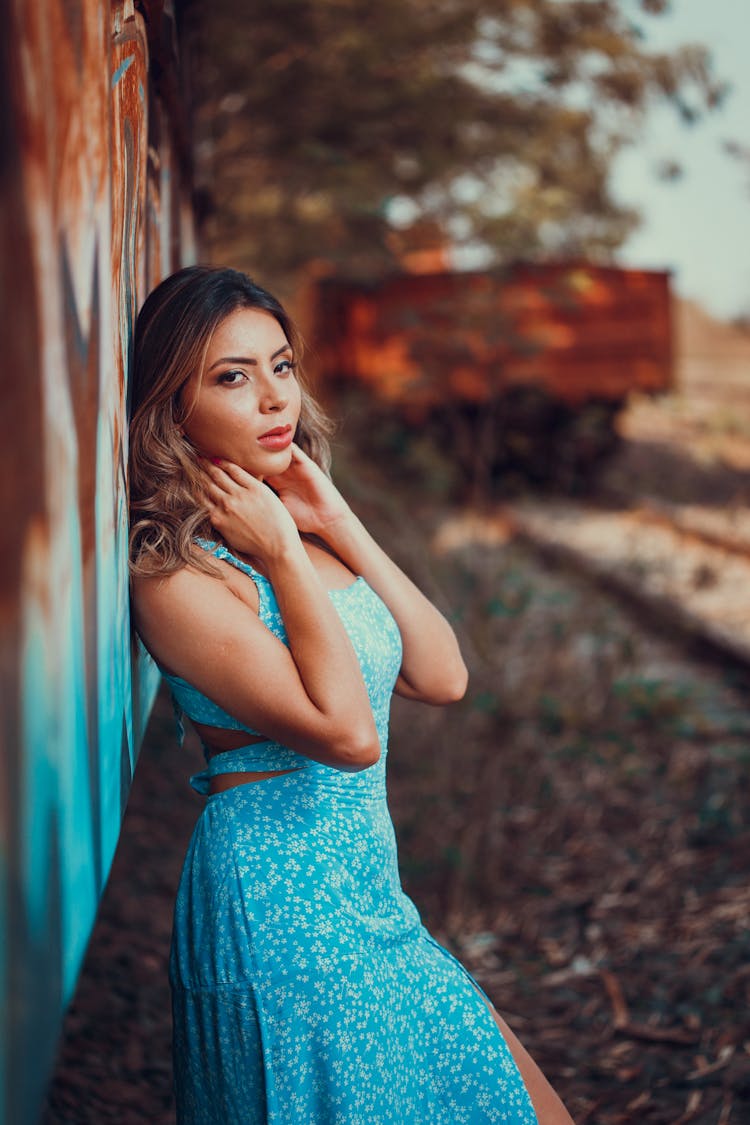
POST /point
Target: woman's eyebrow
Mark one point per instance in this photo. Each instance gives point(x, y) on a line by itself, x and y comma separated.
point(246, 360)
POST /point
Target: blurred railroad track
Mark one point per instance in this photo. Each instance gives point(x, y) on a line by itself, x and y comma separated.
point(695, 524)
point(681, 568)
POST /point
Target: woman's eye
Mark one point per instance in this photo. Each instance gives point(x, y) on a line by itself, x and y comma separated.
point(284, 367)
point(232, 378)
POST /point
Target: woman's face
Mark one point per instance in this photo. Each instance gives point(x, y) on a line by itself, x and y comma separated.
point(245, 404)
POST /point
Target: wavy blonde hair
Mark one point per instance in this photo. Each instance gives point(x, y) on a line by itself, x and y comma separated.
point(172, 335)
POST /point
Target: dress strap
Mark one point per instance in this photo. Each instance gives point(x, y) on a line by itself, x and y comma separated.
point(222, 552)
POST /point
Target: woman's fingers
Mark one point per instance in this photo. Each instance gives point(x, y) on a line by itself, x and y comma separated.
point(236, 474)
point(232, 490)
point(213, 472)
point(299, 468)
point(213, 492)
point(303, 458)
point(243, 509)
point(225, 473)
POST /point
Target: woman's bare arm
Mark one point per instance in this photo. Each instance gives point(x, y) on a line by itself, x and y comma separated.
point(309, 696)
point(432, 668)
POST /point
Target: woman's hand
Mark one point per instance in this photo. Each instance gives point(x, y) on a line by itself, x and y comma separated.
point(247, 514)
point(311, 498)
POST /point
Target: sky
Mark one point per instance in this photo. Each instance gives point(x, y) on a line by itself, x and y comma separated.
point(698, 226)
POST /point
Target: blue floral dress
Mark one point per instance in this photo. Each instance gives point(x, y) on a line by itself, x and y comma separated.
point(306, 990)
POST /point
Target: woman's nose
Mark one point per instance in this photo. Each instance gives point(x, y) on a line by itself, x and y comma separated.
point(274, 396)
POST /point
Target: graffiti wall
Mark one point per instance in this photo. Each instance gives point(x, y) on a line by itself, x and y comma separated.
point(95, 208)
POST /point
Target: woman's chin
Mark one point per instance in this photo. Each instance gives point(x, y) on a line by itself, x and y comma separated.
point(268, 465)
point(278, 462)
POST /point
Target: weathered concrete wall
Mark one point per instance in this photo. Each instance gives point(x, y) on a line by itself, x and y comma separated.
point(94, 209)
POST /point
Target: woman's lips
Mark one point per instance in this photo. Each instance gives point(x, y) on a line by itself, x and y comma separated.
point(279, 438)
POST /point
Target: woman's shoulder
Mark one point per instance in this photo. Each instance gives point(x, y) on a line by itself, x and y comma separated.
point(174, 612)
point(168, 592)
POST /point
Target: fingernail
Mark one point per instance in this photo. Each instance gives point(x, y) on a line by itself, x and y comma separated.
point(215, 460)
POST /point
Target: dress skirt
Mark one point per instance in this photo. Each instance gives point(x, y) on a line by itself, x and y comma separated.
point(306, 990)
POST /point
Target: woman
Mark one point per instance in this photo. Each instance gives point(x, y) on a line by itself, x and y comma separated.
point(305, 989)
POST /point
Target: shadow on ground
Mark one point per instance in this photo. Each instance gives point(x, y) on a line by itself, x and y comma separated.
point(661, 470)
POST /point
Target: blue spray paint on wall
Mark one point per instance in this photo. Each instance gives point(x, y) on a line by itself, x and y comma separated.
point(84, 234)
point(121, 69)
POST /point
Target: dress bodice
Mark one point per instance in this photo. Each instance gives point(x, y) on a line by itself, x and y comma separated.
point(377, 644)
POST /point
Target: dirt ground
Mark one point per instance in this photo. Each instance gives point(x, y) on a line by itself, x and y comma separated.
point(576, 830)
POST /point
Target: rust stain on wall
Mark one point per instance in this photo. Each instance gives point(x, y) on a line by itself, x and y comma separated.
point(95, 195)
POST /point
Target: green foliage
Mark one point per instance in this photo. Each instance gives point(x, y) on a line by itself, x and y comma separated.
point(497, 119)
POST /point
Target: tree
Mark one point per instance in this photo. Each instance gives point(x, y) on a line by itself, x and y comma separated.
point(323, 125)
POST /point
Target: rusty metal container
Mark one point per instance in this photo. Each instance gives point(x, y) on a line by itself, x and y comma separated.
point(577, 331)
